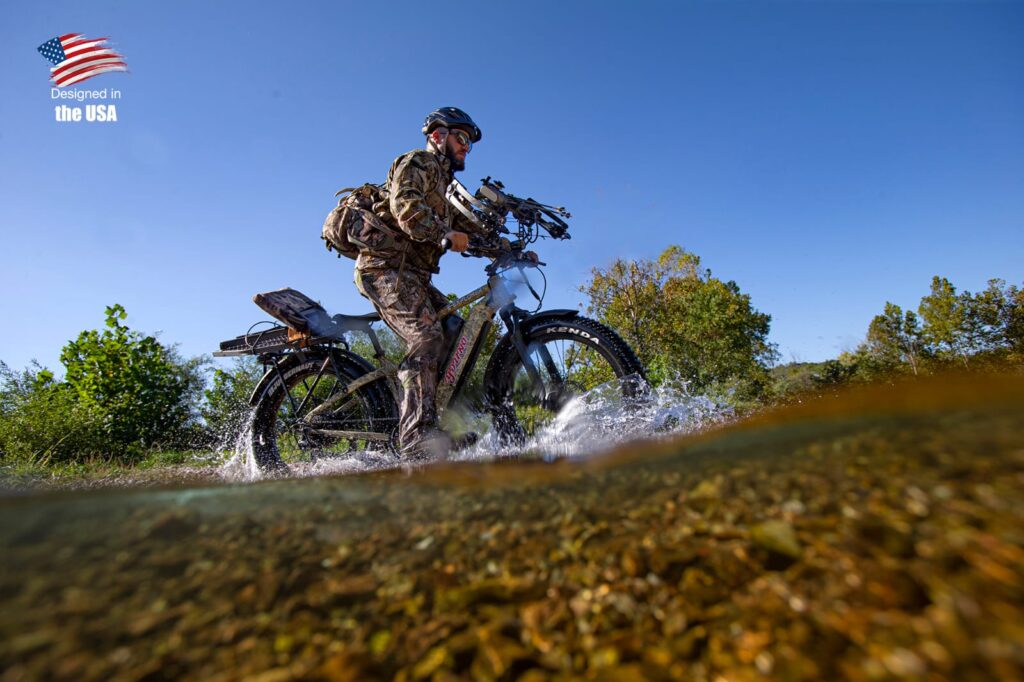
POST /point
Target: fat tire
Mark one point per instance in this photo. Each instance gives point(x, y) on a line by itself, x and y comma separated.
point(505, 360)
point(376, 399)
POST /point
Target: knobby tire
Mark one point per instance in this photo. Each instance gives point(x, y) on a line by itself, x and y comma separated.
point(278, 438)
point(602, 354)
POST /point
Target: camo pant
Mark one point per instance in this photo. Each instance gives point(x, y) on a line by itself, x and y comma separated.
point(409, 304)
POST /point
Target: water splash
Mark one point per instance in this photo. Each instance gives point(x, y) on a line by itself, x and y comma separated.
point(241, 467)
point(590, 424)
point(605, 417)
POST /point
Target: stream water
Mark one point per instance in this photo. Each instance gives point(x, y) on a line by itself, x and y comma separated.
point(877, 534)
point(591, 424)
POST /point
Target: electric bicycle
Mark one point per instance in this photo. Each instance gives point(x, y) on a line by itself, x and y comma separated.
point(318, 397)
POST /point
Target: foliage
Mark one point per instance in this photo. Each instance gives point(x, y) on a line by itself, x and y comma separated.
point(796, 378)
point(972, 331)
point(40, 420)
point(140, 391)
point(125, 397)
point(394, 349)
point(945, 316)
point(123, 393)
point(895, 337)
point(683, 322)
point(950, 329)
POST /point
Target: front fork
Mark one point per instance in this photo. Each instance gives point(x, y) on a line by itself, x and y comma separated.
point(550, 394)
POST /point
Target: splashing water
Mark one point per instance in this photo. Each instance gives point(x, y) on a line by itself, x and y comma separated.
point(589, 424)
point(242, 467)
point(604, 418)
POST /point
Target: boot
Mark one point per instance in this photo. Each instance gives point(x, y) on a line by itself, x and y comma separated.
point(434, 444)
point(437, 444)
point(467, 439)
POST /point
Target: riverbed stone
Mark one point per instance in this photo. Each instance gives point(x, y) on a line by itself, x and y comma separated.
point(871, 537)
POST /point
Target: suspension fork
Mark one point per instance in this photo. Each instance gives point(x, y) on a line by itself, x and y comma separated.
point(511, 319)
point(552, 368)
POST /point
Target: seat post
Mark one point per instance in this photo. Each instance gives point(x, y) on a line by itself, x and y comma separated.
point(378, 351)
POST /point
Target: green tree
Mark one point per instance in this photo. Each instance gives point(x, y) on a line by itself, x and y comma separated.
point(1011, 321)
point(682, 321)
point(992, 320)
point(979, 330)
point(945, 317)
point(141, 392)
point(895, 339)
point(965, 328)
point(836, 372)
point(626, 297)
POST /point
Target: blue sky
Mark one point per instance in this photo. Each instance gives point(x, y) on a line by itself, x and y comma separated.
point(826, 156)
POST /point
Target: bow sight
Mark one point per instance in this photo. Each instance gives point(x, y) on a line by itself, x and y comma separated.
point(490, 207)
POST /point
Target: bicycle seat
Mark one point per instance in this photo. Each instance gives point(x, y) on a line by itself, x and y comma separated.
point(355, 322)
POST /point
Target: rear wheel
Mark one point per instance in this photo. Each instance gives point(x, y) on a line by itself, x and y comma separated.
point(572, 356)
point(308, 413)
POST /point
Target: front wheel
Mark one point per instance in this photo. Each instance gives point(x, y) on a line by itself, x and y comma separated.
point(571, 356)
point(308, 412)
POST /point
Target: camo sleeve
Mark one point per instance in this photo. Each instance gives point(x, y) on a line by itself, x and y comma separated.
point(410, 182)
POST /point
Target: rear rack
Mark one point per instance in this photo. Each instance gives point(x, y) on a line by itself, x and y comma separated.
point(271, 340)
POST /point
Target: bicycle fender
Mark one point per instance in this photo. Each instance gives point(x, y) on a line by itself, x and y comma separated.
point(271, 375)
point(515, 324)
point(545, 315)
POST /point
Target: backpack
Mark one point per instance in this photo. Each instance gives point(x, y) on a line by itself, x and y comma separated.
point(353, 226)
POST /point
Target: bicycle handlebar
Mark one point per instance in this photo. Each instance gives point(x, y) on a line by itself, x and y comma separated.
point(502, 255)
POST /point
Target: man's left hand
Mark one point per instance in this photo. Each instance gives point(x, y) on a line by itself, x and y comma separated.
point(459, 241)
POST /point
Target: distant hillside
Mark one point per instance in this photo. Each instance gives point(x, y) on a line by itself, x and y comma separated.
point(794, 377)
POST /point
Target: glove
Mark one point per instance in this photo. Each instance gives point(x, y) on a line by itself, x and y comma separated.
point(458, 240)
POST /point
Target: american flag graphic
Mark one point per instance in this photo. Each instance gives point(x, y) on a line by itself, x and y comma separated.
point(77, 58)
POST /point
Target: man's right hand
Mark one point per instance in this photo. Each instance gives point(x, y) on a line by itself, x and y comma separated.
point(459, 241)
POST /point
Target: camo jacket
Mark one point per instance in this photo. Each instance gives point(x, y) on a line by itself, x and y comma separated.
point(416, 205)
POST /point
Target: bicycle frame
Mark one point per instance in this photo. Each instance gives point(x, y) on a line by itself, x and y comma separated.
point(493, 298)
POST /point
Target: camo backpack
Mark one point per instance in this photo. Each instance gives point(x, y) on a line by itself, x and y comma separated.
point(352, 226)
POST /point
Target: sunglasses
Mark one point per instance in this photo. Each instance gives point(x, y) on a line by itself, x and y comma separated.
point(463, 138)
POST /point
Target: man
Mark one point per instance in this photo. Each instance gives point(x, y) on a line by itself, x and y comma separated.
point(396, 277)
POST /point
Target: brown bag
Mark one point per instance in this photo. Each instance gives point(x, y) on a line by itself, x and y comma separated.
point(353, 226)
point(296, 310)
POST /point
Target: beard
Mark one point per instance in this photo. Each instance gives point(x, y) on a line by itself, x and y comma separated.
point(456, 163)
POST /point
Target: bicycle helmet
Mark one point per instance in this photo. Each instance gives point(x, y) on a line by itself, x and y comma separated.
point(451, 117)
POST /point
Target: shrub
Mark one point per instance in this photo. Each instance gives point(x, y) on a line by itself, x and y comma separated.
point(40, 420)
point(123, 393)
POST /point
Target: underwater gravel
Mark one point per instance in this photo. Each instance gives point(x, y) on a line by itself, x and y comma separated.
point(866, 538)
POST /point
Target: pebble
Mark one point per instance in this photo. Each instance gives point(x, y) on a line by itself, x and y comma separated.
point(898, 555)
